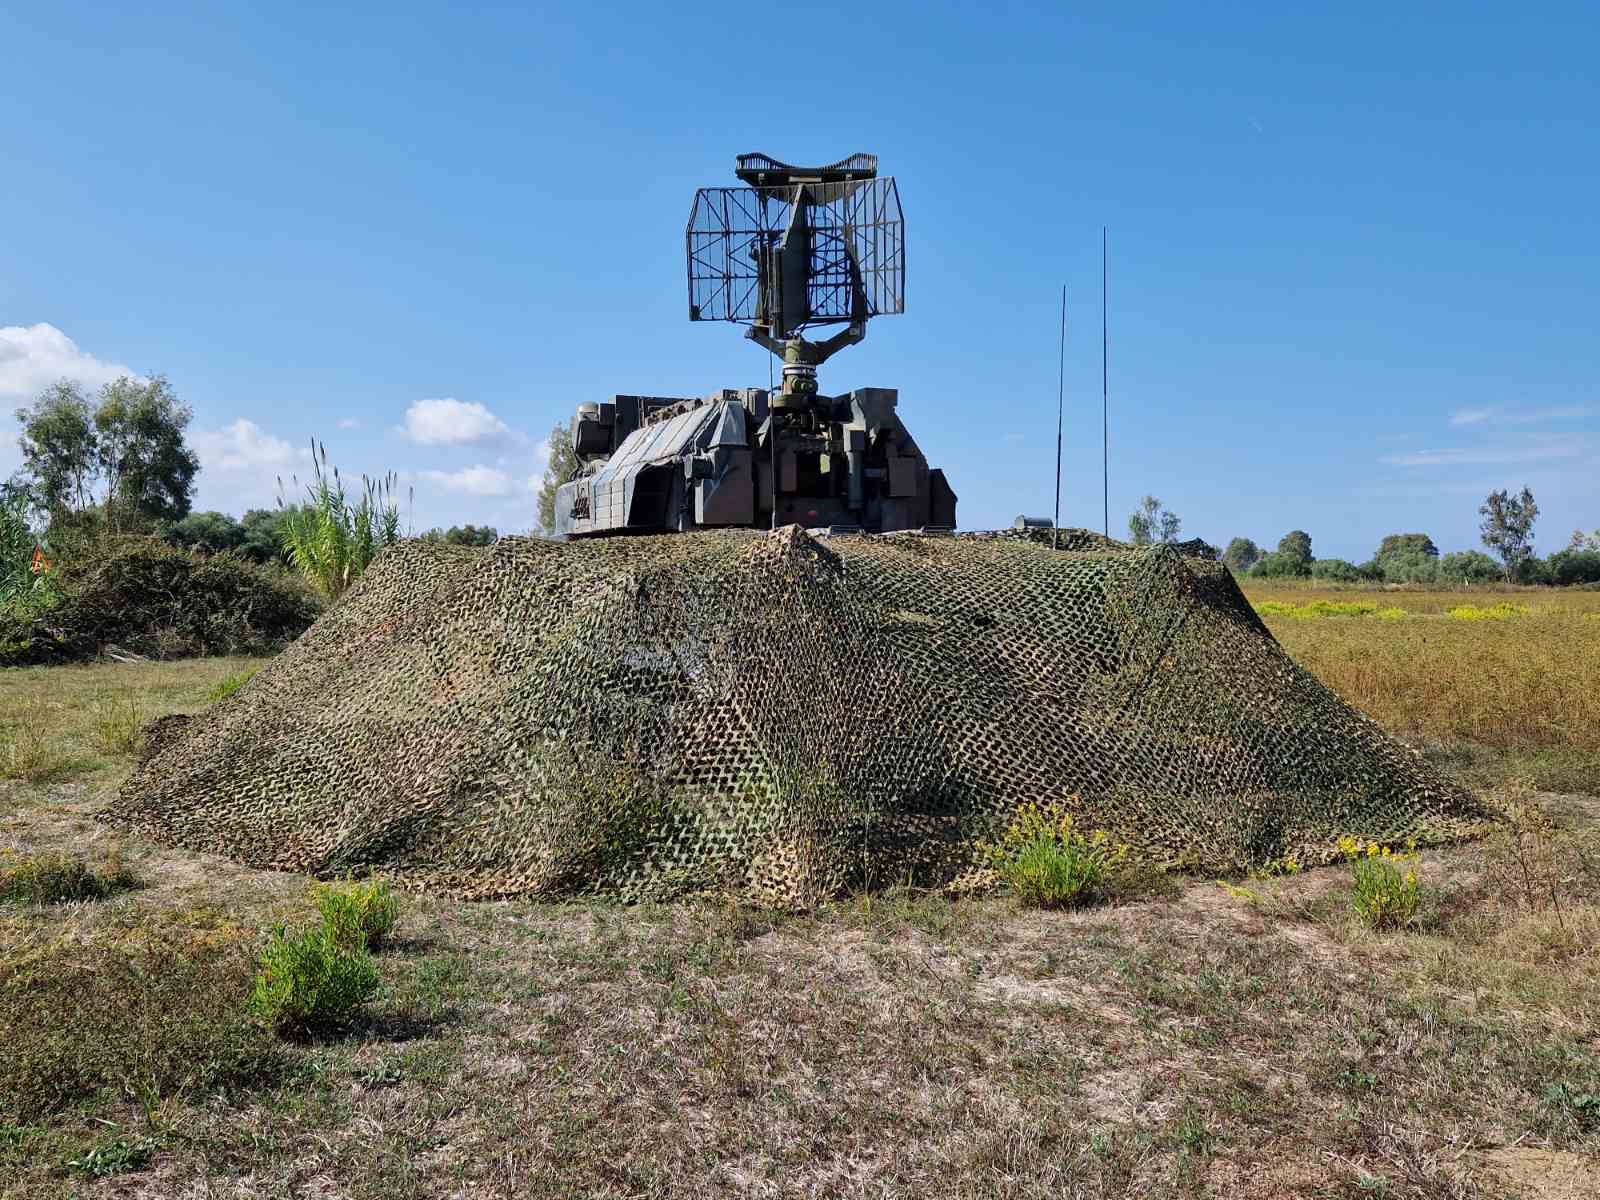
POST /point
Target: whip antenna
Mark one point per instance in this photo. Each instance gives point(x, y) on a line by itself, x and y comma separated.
point(1105, 398)
point(1061, 392)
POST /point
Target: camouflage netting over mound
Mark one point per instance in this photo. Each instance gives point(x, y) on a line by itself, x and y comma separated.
point(776, 715)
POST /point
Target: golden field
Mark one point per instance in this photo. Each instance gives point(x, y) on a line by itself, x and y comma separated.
point(1513, 669)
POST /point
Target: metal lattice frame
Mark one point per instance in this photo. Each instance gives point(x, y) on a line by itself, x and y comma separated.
point(728, 225)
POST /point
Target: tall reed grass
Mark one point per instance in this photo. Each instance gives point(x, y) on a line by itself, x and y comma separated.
point(331, 539)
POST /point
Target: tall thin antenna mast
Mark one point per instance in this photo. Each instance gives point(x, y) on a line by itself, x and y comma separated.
point(1061, 392)
point(1105, 398)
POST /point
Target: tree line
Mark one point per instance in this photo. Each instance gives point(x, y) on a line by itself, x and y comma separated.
point(119, 462)
point(1506, 526)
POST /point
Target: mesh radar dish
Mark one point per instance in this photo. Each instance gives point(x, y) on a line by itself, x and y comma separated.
point(788, 254)
point(800, 247)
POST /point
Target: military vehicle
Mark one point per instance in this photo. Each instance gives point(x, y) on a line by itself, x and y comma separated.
point(797, 249)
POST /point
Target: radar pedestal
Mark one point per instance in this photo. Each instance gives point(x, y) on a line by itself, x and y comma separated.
point(804, 257)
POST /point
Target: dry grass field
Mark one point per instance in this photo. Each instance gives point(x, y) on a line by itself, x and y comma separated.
point(1508, 686)
point(1246, 1038)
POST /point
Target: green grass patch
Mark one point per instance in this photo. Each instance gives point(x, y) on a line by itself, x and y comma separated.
point(151, 1021)
point(230, 684)
point(118, 717)
point(55, 878)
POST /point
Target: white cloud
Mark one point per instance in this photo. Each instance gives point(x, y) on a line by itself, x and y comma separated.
point(453, 423)
point(241, 464)
point(243, 446)
point(1503, 414)
point(479, 480)
point(349, 423)
point(1541, 450)
point(32, 357)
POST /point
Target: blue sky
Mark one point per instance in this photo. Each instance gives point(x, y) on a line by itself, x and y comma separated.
point(1355, 252)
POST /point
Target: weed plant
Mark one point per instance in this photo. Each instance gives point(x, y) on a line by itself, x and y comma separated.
point(1496, 612)
point(114, 1156)
point(1048, 862)
point(1385, 890)
point(309, 984)
point(357, 916)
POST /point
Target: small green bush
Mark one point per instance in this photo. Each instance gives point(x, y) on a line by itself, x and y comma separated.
point(231, 684)
point(60, 878)
point(1385, 890)
point(307, 983)
point(358, 916)
point(1048, 863)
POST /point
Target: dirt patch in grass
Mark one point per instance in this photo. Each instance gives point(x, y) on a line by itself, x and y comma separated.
point(1543, 1174)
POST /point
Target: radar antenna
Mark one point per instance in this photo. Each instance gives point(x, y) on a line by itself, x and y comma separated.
point(801, 247)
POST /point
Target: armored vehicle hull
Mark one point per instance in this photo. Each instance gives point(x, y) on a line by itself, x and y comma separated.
point(653, 464)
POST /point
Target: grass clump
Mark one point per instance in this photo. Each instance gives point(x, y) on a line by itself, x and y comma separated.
point(26, 753)
point(1386, 892)
point(118, 717)
point(357, 916)
point(231, 684)
point(60, 878)
point(1049, 863)
point(330, 539)
point(307, 983)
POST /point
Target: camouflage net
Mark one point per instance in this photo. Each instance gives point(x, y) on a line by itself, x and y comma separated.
point(775, 715)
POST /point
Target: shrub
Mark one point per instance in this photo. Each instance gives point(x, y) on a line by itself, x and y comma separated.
point(148, 598)
point(231, 684)
point(57, 878)
point(1048, 863)
point(358, 915)
point(1409, 567)
point(1568, 567)
point(1385, 890)
point(1469, 566)
point(307, 983)
point(1335, 569)
point(1279, 565)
